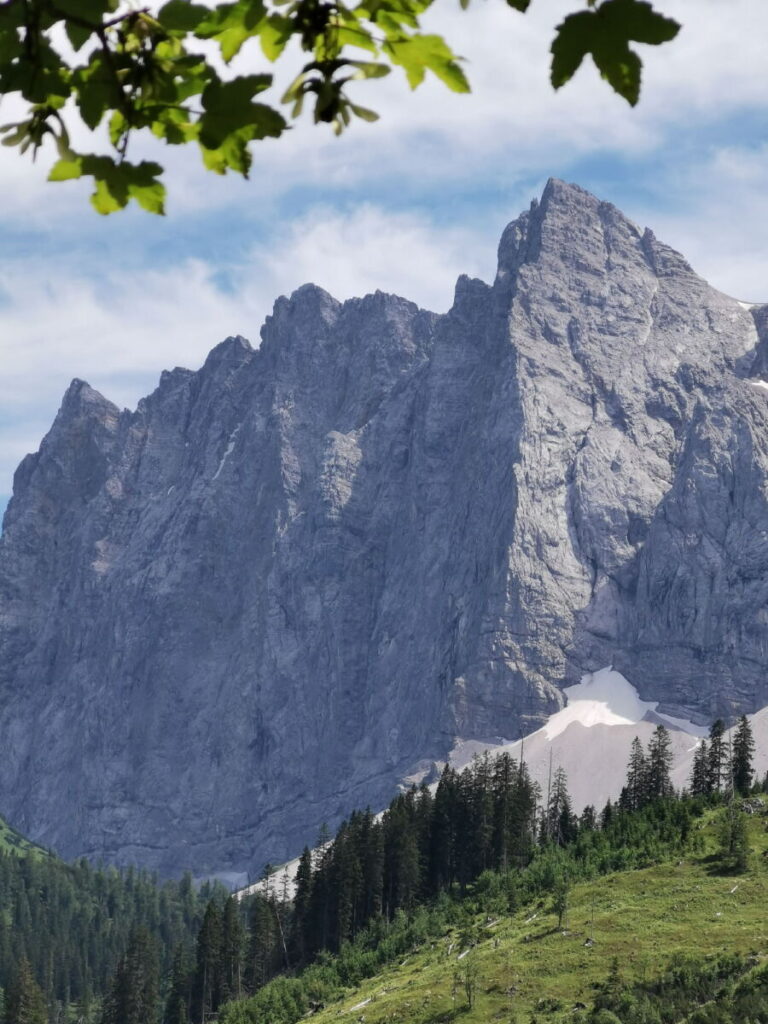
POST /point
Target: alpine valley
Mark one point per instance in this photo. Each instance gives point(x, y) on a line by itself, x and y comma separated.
point(312, 569)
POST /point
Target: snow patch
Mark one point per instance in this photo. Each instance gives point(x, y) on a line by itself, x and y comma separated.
point(759, 383)
point(230, 448)
point(601, 698)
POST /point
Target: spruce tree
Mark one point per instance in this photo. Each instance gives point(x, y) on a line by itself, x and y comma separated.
point(559, 823)
point(742, 771)
point(588, 819)
point(607, 815)
point(522, 825)
point(301, 908)
point(178, 1001)
point(734, 836)
point(372, 847)
point(232, 951)
point(24, 1000)
point(264, 954)
point(636, 788)
point(717, 762)
point(209, 969)
point(700, 776)
point(659, 761)
point(134, 994)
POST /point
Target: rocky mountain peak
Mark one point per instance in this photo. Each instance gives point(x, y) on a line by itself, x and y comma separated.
point(289, 578)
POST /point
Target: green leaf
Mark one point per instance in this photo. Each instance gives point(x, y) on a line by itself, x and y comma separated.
point(640, 22)
point(622, 69)
point(105, 200)
point(78, 35)
point(173, 125)
point(17, 136)
point(370, 69)
point(92, 11)
point(519, 5)
point(115, 183)
point(418, 54)
point(182, 16)
point(229, 108)
point(570, 46)
point(274, 35)
point(149, 195)
point(363, 112)
point(605, 32)
point(232, 24)
point(117, 127)
point(66, 170)
point(95, 90)
point(356, 35)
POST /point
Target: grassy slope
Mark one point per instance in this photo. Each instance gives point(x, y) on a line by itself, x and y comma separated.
point(641, 917)
point(12, 841)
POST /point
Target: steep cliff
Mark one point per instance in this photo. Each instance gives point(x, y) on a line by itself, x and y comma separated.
point(285, 580)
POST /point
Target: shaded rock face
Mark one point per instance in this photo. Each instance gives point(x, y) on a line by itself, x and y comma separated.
point(263, 597)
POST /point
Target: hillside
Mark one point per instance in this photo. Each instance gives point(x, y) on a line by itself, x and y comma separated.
point(526, 968)
point(73, 922)
point(14, 842)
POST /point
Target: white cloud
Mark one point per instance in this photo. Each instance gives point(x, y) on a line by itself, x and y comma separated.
point(512, 119)
point(716, 213)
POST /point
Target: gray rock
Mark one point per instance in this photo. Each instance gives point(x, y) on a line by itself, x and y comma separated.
point(294, 577)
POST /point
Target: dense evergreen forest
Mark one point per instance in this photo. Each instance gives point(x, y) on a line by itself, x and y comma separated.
point(63, 929)
point(101, 947)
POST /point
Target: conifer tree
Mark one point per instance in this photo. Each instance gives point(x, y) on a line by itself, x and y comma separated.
point(208, 970)
point(588, 819)
point(637, 778)
point(372, 847)
point(734, 837)
point(264, 953)
point(717, 762)
point(134, 994)
point(607, 815)
point(503, 774)
point(301, 907)
point(659, 761)
point(742, 771)
point(700, 776)
point(178, 1001)
point(443, 861)
point(24, 1000)
point(481, 824)
point(232, 951)
point(559, 823)
point(525, 797)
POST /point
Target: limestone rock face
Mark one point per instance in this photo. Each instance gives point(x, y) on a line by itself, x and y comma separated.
point(263, 597)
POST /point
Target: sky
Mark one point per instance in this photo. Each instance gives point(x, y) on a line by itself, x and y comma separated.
point(404, 205)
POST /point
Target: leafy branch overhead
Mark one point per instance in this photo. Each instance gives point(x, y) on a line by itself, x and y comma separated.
point(132, 70)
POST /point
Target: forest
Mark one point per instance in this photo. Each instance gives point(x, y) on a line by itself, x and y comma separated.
point(99, 946)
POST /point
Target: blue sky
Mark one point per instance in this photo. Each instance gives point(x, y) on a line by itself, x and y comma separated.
point(404, 205)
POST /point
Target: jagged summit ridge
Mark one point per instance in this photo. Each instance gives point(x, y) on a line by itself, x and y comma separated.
point(262, 597)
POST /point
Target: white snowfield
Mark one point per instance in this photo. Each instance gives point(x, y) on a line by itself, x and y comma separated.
point(606, 698)
point(590, 738)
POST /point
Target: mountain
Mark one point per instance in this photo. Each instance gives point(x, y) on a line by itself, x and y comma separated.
point(298, 575)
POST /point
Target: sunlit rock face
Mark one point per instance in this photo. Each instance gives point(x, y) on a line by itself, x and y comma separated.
point(263, 597)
